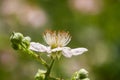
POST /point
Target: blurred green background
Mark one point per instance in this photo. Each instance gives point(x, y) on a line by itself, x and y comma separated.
point(93, 24)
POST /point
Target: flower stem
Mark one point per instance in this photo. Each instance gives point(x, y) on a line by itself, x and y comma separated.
point(42, 61)
point(49, 69)
point(38, 57)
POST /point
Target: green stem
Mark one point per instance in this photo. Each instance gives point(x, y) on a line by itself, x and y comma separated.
point(49, 70)
point(42, 61)
point(38, 57)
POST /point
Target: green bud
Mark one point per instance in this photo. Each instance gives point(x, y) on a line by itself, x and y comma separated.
point(82, 74)
point(40, 75)
point(16, 37)
point(16, 46)
point(26, 41)
point(18, 41)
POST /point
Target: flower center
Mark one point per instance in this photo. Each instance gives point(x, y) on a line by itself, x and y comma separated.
point(57, 39)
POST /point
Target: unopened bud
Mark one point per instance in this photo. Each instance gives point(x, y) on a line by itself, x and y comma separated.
point(16, 37)
point(18, 41)
point(40, 75)
point(82, 74)
point(26, 41)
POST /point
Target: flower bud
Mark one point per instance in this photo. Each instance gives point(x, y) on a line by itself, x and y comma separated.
point(16, 37)
point(19, 41)
point(40, 75)
point(26, 41)
point(82, 74)
point(16, 46)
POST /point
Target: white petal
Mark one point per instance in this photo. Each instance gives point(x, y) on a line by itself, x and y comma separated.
point(48, 49)
point(66, 51)
point(78, 51)
point(56, 49)
point(38, 47)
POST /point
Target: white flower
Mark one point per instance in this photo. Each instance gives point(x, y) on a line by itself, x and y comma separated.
point(57, 42)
